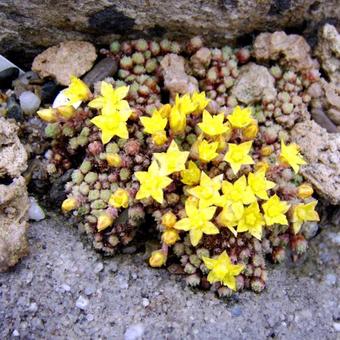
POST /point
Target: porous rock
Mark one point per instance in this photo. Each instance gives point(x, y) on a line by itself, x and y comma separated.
point(175, 78)
point(13, 157)
point(328, 52)
point(13, 222)
point(323, 168)
point(66, 59)
point(292, 49)
point(253, 82)
point(13, 197)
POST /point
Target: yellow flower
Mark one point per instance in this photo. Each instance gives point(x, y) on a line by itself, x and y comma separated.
point(240, 118)
point(69, 204)
point(222, 270)
point(230, 216)
point(237, 155)
point(274, 211)
point(290, 154)
point(104, 221)
point(152, 183)
point(119, 199)
point(259, 184)
point(200, 101)
point(169, 219)
point(191, 176)
point(48, 115)
point(208, 190)
point(251, 221)
point(157, 259)
point(112, 125)
point(172, 160)
point(77, 91)
point(154, 124)
point(114, 159)
point(302, 213)
point(185, 104)
point(250, 132)
point(237, 194)
point(213, 125)
point(207, 151)
point(165, 110)
point(67, 112)
point(177, 120)
point(111, 100)
point(170, 237)
point(197, 223)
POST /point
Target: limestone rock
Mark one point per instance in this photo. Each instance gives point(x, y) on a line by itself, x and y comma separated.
point(323, 169)
point(175, 78)
point(328, 52)
point(292, 48)
point(13, 157)
point(30, 25)
point(66, 59)
point(13, 223)
point(252, 83)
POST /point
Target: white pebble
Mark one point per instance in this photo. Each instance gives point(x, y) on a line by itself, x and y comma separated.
point(82, 302)
point(16, 333)
point(29, 102)
point(98, 267)
point(35, 212)
point(134, 332)
point(145, 302)
point(336, 326)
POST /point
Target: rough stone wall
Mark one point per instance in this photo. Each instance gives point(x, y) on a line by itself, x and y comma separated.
point(30, 26)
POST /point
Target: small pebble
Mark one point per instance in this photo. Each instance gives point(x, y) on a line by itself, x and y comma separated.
point(7, 76)
point(14, 110)
point(82, 302)
point(134, 332)
point(89, 290)
point(16, 333)
point(236, 311)
point(29, 102)
point(35, 212)
point(145, 302)
point(65, 287)
point(336, 326)
point(330, 279)
point(33, 307)
point(49, 91)
point(89, 317)
point(98, 267)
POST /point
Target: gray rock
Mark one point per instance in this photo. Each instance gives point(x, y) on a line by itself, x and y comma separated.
point(323, 168)
point(99, 21)
point(29, 102)
point(253, 83)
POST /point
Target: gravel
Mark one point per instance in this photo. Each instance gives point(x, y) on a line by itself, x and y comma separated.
point(65, 290)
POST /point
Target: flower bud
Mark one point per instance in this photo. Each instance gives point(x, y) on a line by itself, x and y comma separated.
point(169, 219)
point(250, 132)
point(159, 138)
point(305, 190)
point(157, 259)
point(104, 221)
point(69, 204)
point(113, 159)
point(170, 237)
point(47, 115)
